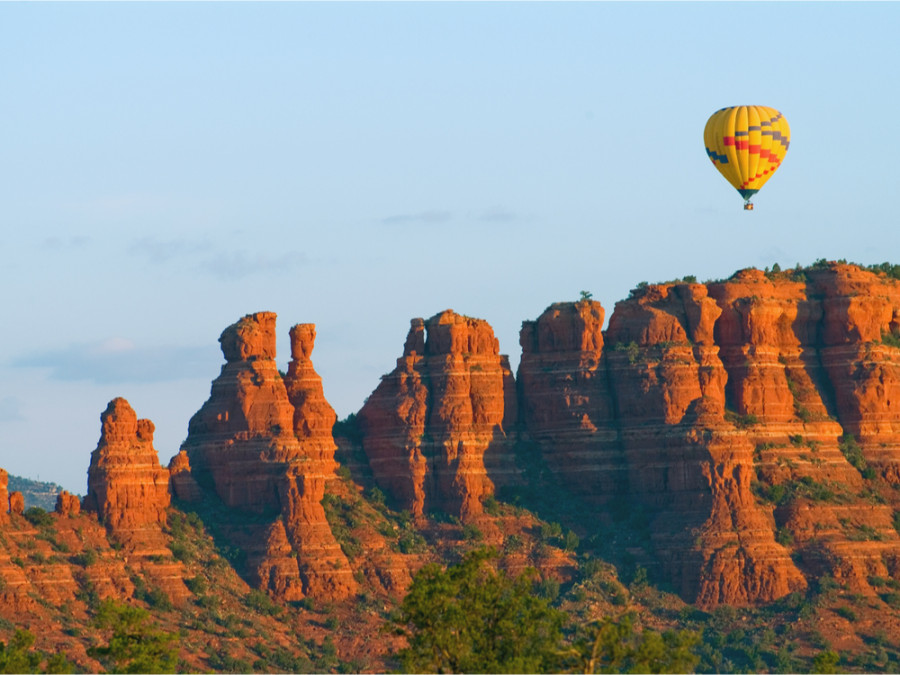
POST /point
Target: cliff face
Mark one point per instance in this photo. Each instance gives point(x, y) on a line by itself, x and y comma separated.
point(566, 402)
point(861, 319)
point(750, 420)
point(809, 364)
point(263, 444)
point(438, 421)
point(721, 412)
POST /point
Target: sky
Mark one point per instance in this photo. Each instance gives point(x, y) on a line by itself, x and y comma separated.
point(167, 168)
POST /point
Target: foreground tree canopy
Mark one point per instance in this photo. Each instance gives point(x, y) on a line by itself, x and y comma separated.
point(470, 618)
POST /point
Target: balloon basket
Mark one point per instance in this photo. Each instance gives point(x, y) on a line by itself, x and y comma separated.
point(748, 206)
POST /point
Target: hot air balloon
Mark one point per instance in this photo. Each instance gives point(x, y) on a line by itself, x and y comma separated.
point(747, 144)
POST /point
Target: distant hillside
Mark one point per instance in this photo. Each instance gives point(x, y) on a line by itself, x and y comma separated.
point(36, 493)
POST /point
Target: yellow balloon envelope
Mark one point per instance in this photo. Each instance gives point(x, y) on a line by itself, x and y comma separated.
point(747, 144)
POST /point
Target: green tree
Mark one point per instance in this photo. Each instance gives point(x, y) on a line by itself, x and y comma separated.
point(613, 646)
point(826, 662)
point(17, 656)
point(135, 646)
point(469, 618)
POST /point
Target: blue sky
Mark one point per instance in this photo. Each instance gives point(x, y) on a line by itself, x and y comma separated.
point(166, 168)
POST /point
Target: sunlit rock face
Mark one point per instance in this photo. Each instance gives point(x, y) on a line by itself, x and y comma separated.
point(262, 443)
point(128, 489)
point(440, 420)
point(567, 407)
point(127, 486)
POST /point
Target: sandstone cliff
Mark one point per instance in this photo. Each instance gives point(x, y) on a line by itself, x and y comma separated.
point(808, 367)
point(263, 456)
point(726, 413)
point(438, 421)
point(566, 401)
point(127, 487)
point(729, 413)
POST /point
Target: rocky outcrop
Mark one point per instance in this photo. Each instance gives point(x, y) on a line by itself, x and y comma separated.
point(435, 424)
point(305, 523)
point(732, 414)
point(262, 454)
point(240, 440)
point(16, 503)
point(127, 487)
point(67, 504)
point(4, 496)
point(860, 353)
point(314, 417)
point(688, 466)
point(566, 402)
point(749, 427)
point(181, 481)
point(799, 350)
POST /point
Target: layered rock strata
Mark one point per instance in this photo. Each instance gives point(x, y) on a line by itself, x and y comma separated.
point(688, 466)
point(750, 419)
point(262, 455)
point(127, 487)
point(441, 418)
point(566, 402)
point(860, 337)
point(181, 481)
point(810, 376)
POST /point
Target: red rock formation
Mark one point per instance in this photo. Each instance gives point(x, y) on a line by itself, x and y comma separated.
point(430, 423)
point(127, 487)
point(4, 496)
point(263, 455)
point(860, 310)
point(314, 417)
point(241, 437)
point(759, 345)
point(687, 465)
point(306, 526)
point(795, 348)
point(16, 503)
point(181, 481)
point(68, 504)
point(663, 354)
point(567, 406)
point(707, 406)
